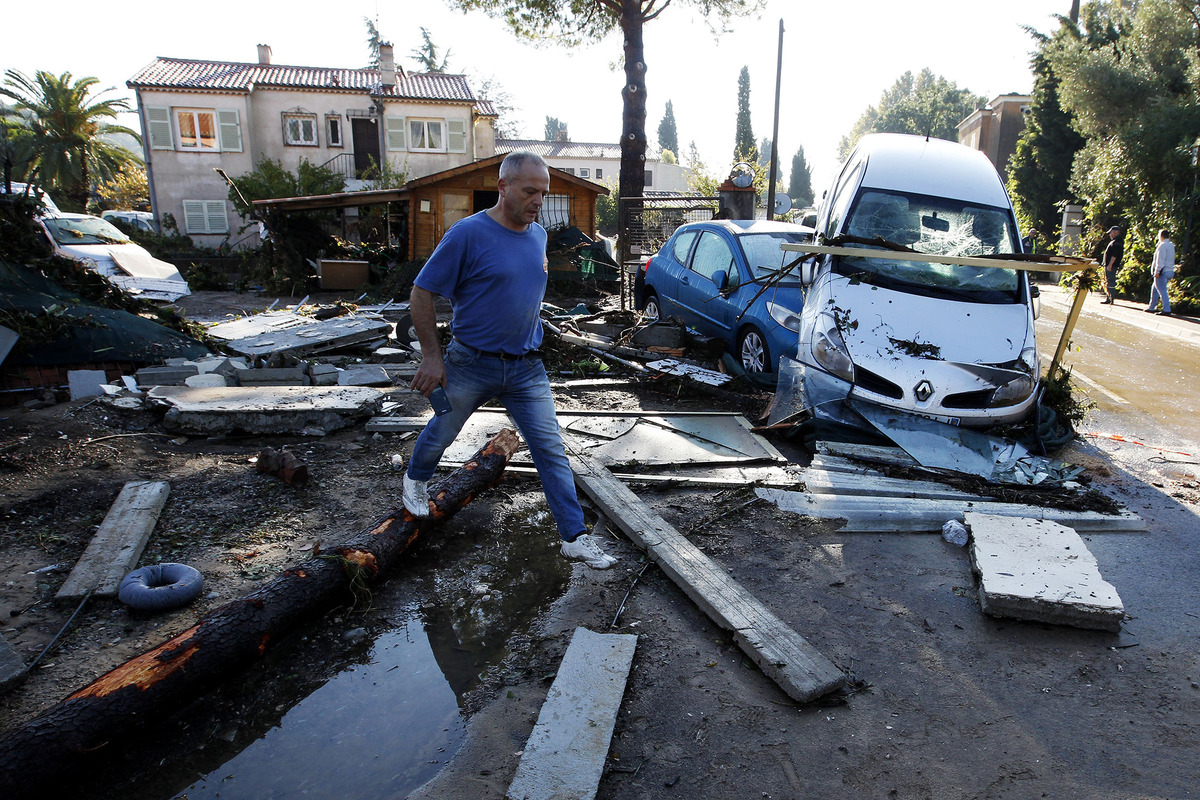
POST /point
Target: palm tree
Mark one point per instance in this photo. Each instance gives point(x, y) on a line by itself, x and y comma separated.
point(60, 133)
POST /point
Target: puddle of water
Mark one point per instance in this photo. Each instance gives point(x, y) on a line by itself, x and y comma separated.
point(379, 729)
point(384, 727)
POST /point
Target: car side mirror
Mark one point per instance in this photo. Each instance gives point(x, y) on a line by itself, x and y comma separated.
point(721, 279)
point(808, 271)
point(1035, 300)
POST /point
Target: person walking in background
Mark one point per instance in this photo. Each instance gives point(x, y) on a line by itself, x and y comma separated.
point(1113, 253)
point(492, 268)
point(1161, 270)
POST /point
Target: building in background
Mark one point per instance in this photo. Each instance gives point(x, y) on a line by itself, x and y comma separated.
point(995, 128)
point(197, 116)
point(599, 163)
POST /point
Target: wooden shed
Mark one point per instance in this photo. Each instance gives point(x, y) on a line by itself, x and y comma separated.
point(435, 202)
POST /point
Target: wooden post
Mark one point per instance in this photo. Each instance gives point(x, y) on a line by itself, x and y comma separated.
point(1072, 317)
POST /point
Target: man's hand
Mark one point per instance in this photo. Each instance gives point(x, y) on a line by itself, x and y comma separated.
point(432, 372)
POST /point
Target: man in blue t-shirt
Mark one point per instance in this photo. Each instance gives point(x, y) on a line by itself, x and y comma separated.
point(492, 268)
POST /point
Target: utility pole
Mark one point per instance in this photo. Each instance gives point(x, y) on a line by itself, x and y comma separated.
point(775, 130)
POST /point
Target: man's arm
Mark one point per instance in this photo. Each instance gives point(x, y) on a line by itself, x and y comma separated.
point(432, 372)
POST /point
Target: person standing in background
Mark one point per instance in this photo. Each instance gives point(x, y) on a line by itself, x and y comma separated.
point(1161, 270)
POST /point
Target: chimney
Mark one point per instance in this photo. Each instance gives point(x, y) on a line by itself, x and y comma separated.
point(264, 54)
point(387, 64)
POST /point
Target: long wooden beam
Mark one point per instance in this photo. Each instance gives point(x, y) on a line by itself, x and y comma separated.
point(1054, 264)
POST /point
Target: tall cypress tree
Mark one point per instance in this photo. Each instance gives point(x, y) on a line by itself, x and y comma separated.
point(800, 182)
point(668, 136)
point(744, 148)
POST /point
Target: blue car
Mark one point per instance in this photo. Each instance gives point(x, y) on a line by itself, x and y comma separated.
point(712, 276)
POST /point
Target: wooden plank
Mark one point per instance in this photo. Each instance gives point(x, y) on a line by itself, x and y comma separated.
point(850, 484)
point(868, 452)
point(116, 547)
point(1053, 264)
point(565, 754)
point(897, 514)
point(782, 654)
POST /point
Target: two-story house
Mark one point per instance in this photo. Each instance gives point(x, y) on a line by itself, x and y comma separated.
point(200, 116)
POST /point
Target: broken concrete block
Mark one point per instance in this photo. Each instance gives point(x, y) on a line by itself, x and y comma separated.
point(206, 379)
point(392, 355)
point(366, 375)
point(165, 376)
point(265, 409)
point(1040, 570)
point(12, 668)
point(85, 382)
point(323, 374)
point(273, 376)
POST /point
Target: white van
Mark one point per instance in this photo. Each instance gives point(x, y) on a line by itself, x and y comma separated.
point(948, 342)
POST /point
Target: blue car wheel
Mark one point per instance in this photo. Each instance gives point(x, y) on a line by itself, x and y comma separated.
point(651, 309)
point(753, 351)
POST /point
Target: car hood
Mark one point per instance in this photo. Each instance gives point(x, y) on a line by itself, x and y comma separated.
point(128, 259)
point(892, 326)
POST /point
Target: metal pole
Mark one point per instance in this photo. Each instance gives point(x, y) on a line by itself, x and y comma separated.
point(775, 130)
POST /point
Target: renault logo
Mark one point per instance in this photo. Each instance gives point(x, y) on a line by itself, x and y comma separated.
point(923, 391)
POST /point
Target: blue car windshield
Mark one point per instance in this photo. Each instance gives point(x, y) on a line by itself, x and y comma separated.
point(764, 255)
point(939, 226)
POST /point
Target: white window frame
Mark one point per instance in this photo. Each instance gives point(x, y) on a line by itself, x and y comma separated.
point(293, 129)
point(333, 130)
point(205, 216)
point(585, 172)
point(420, 133)
point(164, 128)
point(195, 114)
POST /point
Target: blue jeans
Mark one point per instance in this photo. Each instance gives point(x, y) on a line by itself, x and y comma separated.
point(1158, 291)
point(523, 389)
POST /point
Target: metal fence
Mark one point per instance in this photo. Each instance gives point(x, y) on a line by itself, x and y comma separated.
point(650, 221)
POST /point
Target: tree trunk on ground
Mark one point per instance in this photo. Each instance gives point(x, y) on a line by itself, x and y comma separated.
point(44, 751)
point(633, 124)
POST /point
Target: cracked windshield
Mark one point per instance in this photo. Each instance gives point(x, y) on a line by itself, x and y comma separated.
point(937, 226)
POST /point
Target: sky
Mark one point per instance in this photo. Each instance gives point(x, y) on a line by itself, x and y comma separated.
point(838, 58)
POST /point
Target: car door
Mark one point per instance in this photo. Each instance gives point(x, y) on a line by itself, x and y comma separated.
point(699, 294)
point(668, 270)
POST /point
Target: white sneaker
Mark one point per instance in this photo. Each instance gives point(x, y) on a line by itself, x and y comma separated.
point(584, 548)
point(416, 497)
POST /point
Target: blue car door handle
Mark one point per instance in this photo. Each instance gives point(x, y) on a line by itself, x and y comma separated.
point(684, 279)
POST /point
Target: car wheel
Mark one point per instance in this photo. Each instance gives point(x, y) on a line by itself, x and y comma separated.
point(753, 352)
point(651, 308)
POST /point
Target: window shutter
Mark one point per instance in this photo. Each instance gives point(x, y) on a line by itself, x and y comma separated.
point(395, 133)
point(229, 130)
point(194, 220)
point(456, 139)
point(158, 121)
point(216, 217)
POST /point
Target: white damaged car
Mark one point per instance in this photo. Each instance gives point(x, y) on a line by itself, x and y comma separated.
point(99, 246)
point(949, 342)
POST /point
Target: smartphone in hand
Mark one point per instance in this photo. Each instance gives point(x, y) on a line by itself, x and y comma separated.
point(439, 401)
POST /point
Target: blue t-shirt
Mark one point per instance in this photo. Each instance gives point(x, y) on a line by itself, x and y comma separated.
point(495, 279)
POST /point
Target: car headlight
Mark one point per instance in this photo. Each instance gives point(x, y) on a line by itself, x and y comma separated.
point(1012, 392)
point(1029, 360)
point(784, 316)
point(829, 350)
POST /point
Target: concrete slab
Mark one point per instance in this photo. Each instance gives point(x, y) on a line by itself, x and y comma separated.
point(165, 376)
point(564, 757)
point(366, 375)
point(323, 374)
point(1039, 570)
point(85, 382)
point(318, 336)
point(273, 376)
point(266, 409)
point(205, 379)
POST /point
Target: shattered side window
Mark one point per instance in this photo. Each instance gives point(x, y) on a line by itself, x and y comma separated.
point(939, 226)
point(763, 252)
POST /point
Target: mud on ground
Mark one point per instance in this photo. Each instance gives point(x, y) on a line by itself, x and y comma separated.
point(943, 701)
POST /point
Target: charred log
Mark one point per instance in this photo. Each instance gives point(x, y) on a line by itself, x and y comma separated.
point(225, 640)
